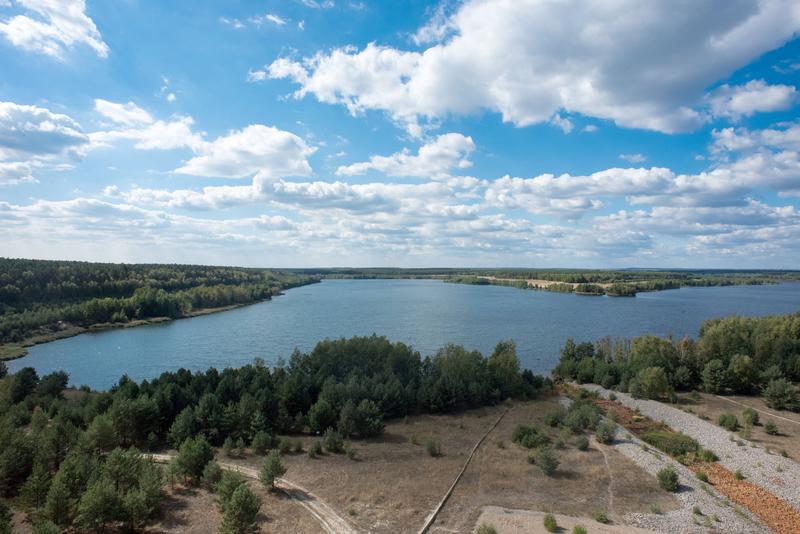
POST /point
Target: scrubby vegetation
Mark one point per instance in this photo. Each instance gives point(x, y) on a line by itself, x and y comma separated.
point(73, 459)
point(668, 478)
point(743, 355)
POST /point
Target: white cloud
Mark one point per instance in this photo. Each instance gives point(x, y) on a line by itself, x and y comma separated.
point(259, 150)
point(633, 158)
point(590, 128)
point(254, 76)
point(315, 4)
point(157, 135)
point(16, 173)
point(624, 61)
point(435, 159)
point(53, 27)
point(562, 122)
point(785, 136)
point(34, 131)
point(275, 19)
point(754, 96)
point(126, 114)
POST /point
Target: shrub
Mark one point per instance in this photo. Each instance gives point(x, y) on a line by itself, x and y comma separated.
point(550, 523)
point(606, 432)
point(771, 428)
point(780, 394)
point(578, 529)
point(738, 475)
point(333, 441)
point(297, 446)
point(486, 529)
point(532, 457)
point(655, 509)
point(546, 460)
point(193, 456)
point(433, 448)
point(707, 455)
point(583, 443)
point(668, 478)
point(212, 473)
point(529, 437)
point(601, 517)
point(696, 510)
point(228, 483)
point(285, 445)
point(728, 421)
point(750, 417)
point(612, 396)
point(229, 447)
point(261, 443)
point(315, 449)
point(554, 418)
point(350, 451)
point(673, 443)
point(582, 415)
point(702, 476)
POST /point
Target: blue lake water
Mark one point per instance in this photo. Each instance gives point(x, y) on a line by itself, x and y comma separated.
point(424, 313)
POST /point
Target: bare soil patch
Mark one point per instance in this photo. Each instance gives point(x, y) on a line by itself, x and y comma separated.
point(507, 521)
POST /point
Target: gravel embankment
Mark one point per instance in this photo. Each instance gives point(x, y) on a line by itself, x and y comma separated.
point(732, 519)
point(772, 472)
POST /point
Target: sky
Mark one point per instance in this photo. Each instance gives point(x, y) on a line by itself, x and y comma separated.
point(480, 133)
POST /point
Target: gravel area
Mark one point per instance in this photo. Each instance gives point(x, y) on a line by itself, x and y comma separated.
point(772, 472)
point(718, 513)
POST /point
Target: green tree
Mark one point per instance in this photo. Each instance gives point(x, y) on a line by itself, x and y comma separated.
point(653, 383)
point(368, 419)
point(271, 469)
point(228, 483)
point(183, 428)
point(781, 394)
point(714, 376)
point(100, 435)
point(34, 491)
point(742, 374)
point(193, 456)
point(347, 419)
point(5, 518)
point(546, 460)
point(333, 441)
point(504, 370)
point(25, 382)
point(321, 416)
point(59, 506)
point(241, 512)
point(99, 506)
point(137, 508)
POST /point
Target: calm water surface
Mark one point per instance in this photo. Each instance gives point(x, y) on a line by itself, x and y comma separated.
point(424, 313)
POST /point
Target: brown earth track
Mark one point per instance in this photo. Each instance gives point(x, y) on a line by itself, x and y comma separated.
point(776, 513)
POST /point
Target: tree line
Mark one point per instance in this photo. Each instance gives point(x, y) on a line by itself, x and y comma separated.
point(71, 457)
point(746, 355)
point(39, 296)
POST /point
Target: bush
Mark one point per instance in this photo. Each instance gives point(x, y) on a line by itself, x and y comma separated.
point(780, 394)
point(728, 421)
point(284, 445)
point(315, 449)
point(486, 529)
point(606, 432)
point(193, 456)
point(212, 473)
point(738, 475)
point(228, 483)
point(433, 448)
point(673, 443)
point(707, 455)
point(261, 443)
point(554, 418)
point(550, 523)
point(702, 476)
point(583, 443)
point(771, 428)
point(601, 517)
point(750, 417)
point(529, 436)
point(579, 529)
point(229, 448)
point(668, 478)
point(582, 415)
point(546, 460)
point(333, 441)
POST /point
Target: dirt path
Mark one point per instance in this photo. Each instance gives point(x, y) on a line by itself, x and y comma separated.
point(610, 476)
point(432, 517)
point(329, 520)
point(765, 412)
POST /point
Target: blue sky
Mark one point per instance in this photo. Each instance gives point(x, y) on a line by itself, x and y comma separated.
point(525, 133)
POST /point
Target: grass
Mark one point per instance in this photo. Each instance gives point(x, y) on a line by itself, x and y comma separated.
point(601, 517)
point(550, 523)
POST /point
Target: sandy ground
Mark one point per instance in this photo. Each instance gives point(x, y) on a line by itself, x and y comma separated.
point(508, 521)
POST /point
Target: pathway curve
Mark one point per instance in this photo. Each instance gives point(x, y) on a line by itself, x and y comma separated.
point(765, 412)
point(610, 476)
point(330, 521)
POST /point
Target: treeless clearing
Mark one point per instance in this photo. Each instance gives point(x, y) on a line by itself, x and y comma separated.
point(525, 522)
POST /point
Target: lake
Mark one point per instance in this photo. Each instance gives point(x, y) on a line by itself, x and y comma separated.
point(424, 313)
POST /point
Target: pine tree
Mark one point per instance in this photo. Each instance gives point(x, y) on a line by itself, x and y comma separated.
point(34, 491)
point(272, 469)
point(241, 512)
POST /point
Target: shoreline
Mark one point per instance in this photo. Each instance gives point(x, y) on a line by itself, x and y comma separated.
point(15, 351)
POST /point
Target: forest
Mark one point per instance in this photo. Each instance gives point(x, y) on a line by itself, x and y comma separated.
point(40, 297)
point(71, 458)
point(741, 355)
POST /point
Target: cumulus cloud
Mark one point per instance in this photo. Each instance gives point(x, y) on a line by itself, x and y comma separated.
point(264, 151)
point(435, 159)
point(53, 27)
point(16, 172)
point(754, 96)
point(127, 114)
point(528, 60)
point(633, 158)
point(32, 130)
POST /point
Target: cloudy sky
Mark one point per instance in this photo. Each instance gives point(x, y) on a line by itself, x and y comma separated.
point(574, 133)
